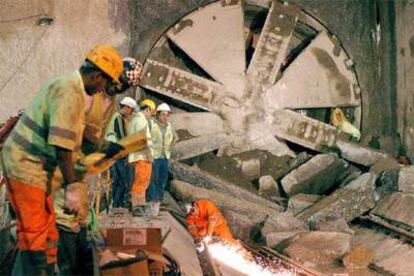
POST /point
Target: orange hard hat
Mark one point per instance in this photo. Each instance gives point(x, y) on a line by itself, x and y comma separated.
point(109, 60)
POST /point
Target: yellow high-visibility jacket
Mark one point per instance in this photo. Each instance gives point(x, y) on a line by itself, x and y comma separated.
point(139, 124)
point(55, 117)
point(161, 143)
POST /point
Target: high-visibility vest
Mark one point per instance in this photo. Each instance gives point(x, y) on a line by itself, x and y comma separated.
point(161, 144)
point(139, 124)
point(110, 133)
point(54, 118)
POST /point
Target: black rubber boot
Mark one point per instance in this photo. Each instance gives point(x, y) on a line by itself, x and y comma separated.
point(30, 263)
point(50, 269)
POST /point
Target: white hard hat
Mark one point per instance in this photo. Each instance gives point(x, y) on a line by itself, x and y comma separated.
point(128, 101)
point(163, 107)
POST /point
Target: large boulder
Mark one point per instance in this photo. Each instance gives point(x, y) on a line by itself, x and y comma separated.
point(275, 238)
point(283, 222)
point(317, 176)
point(348, 202)
point(300, 202)
point(268, 187)
point(240, 226)
point(331, 225)
point(397, 207)
point(318, 248)
point(406, 180)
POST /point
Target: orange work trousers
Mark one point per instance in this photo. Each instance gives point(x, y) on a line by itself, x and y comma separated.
point(36, 228)
point(224, 233)
point(143, 169)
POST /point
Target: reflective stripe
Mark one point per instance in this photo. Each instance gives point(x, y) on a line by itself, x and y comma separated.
point(33, 126)
point(192, 226)
point(48, 161)
point(62, 132)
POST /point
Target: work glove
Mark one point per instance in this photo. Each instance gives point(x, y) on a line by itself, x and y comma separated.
point(76, 198)
point(112, 149)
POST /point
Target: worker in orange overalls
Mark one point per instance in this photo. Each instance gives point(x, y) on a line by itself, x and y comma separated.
point(45, 138)
point(205, 219)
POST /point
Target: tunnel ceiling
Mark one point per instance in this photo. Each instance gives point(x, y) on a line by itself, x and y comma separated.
point(249, 65)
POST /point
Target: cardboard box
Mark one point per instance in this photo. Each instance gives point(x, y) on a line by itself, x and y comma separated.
point(135, 238)
point(129, 240)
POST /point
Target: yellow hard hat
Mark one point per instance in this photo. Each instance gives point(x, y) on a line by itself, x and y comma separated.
point(109, 60)
point(148, 102)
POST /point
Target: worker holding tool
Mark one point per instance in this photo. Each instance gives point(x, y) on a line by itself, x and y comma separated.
point(141, 160)
point(162, 135)
point(45, 138)
point(74, 249)
point(121, 171)
point(204, 220)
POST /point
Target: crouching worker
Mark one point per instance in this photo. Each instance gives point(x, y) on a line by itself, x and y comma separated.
point(205, 219)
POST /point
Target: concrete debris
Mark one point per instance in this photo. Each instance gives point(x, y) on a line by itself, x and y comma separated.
point(360, 257)
point(385, 164)
point(390, 254)
point(387, 182)
point(275, 238)
point(183, 190)
point(251, 169)
point(318, 248)
point(283, 222)
point(359, 154)
point(406, 180)
point(317, 176)
point(331, 225)
point(300, 202)
point(240, 226)
point(268, 187)
point(300, 159)
point(202, 179)
point(350, 174)
point(348, 202)
point(397, 207)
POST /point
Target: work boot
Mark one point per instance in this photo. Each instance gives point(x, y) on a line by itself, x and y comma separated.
point(138, 211)
point(30, 263)
point(50, 269)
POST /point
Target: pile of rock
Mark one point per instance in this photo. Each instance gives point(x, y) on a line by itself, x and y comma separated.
point(305, 212)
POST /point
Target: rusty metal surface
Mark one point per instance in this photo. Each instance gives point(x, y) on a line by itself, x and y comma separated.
point(213, 36)
point(273, 43)
point(321, 76)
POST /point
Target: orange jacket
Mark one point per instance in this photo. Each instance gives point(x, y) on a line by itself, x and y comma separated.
point(208, 219)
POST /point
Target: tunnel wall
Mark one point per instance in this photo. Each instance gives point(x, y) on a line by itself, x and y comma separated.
point(30, 54)
point(405, 73)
